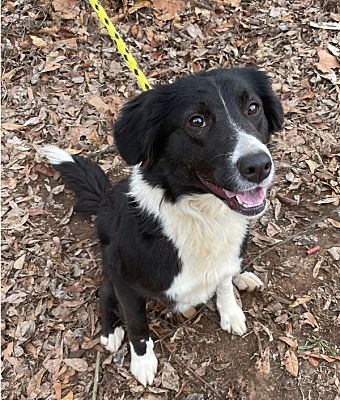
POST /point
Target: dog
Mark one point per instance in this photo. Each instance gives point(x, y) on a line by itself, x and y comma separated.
point(175, 230)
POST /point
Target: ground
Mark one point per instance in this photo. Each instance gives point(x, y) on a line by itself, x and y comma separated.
point(63, 83)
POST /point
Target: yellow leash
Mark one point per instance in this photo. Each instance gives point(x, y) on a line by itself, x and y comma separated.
point(121, 47)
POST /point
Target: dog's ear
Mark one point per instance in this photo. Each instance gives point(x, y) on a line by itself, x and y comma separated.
point(138, 129)
point(273, 110)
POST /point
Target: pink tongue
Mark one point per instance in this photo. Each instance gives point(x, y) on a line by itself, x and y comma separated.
point(253, 197)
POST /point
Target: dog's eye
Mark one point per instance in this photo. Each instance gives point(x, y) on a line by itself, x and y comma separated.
point(253, 108)
point(197, 121)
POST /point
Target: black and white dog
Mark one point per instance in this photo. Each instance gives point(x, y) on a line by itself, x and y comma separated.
point(175, 229)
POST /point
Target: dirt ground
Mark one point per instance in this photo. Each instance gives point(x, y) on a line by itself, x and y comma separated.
point(63, 83)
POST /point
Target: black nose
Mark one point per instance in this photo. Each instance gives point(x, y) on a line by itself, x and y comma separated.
point(255, 167)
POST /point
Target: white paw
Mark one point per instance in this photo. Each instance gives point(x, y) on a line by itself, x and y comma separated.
point(247, 281)
point(234, 320)
point(114, 341)
point(144, 367)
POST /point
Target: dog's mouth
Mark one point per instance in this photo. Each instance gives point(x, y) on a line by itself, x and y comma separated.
point(249, 203)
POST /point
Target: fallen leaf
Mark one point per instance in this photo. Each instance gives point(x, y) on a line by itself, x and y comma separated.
point(170, 379)
point(291, 342)
point(291, 363)
point(98, 104)
point(8, 126)
point(78, 364)
point(51, 66)
point(69, 396)
point(57, 390)
point(262, 365)
point(67, 8)
point(168, 9)
point(316, 268)
point(312, 165)
point(314, 362)
point(35, 382)
point(320, 356)
point(299, 301)
point(19, 263)
point(38, 42)
point(310, 319)
point(138, 5)
point(334, 222)
point(327, 61)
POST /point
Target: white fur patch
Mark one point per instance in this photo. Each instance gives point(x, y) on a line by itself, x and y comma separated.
point(247, 281)
point(55, 155)
point(206, 233)
point(114, 341)
point(247, 144)
point(232, 316)
point(144, 367)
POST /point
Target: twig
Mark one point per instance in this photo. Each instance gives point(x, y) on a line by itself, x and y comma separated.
point(96, 377)
point(291, 237)
point(110, 149)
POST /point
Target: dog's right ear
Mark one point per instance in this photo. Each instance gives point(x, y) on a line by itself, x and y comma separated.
point(139, 127)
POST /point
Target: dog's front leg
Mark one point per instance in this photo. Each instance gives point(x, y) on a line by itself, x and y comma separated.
point(143, 359)
point(232, 316)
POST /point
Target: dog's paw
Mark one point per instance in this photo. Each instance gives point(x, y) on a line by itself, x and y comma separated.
point(144, 367)
point(114, 341)
point(234, 321)
point(247, 281)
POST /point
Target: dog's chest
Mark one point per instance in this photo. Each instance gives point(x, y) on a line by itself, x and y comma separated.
point(208, 237)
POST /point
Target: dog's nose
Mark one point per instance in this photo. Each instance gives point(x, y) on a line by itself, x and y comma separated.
point(255, 167)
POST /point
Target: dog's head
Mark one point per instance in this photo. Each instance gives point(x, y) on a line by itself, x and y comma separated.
point(205, 133)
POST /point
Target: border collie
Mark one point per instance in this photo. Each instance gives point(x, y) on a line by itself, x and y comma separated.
point(175, 229)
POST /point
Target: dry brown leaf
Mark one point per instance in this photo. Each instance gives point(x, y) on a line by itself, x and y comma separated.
point(51, 66)
point(19, 263)
point(310, 319)
point(8, 126)
point(57, 390)
point(232, 3)
point(138, 5)
point(334, 222)
point(291, 342)
point(316, 268)
point(312, 165)
point(327, 61)
point(98, 104)
point(35, 382)
point(168, 9)
point(263, 364)
point(38, 42)
point(69, 396)
point(314, 362)
point(299, 301)
point(78, 364)
point(67, 8)
point(170, 379)
point(291, 363)
point(74, 151)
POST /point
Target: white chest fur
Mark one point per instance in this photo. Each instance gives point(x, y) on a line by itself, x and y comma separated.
point(206, 233)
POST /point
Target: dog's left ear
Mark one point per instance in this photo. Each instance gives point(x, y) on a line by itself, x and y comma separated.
point(138, 131)
point(271, 104)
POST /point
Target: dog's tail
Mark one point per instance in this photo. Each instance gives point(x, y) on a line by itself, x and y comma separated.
point(83, 176)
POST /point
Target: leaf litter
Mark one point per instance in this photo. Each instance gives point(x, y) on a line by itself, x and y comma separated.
point(63, 84)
